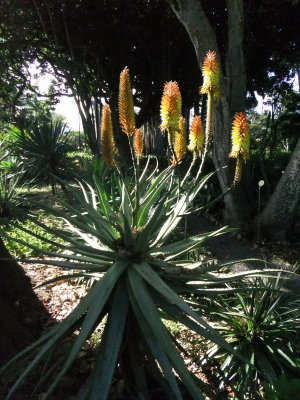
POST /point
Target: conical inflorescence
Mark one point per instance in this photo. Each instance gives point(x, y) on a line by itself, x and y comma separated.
point(138, 143)
point(240, 143)
point(170, 113)
point(211, 75)
point(211, 87)
point(109, 150)
point(126, 106)
point(179, 142)
point(196, 136)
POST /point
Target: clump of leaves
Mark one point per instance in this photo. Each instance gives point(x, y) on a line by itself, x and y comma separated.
point(43, 150)
point(264, 327)
point(28, 232)
point(8, 193)
point(284, 388)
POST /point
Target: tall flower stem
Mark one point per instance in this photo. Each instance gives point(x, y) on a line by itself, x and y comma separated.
point(209, 118)
point(208, 130)
point(189, 170)
point(171, 134)
point(136, 180)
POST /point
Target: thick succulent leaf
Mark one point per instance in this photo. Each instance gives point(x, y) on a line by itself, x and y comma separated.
point(127, 236)
point(97, 295)
point(144, 209)
point(92, 240)
point(126, 205)
point(93, 255)
point(178, 211)
point(97, 266)
point(137, 355)
point(156, 335)
point(156, 352)
point(106, 208)
point(183, 246)
point(100, 379)
point(104, 289)
point(65, 278)
point(287, 358)
point(89, 200)
point(158, 284)
point(82, 222)
point(144, 237)
point(48, 340)
point(144, 175)
point(159, 180)
point(206, 266)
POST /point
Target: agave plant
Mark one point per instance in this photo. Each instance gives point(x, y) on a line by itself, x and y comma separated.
point(8, 193)
point(10, 174)
point(43, 150)
point(121, 232)
point(263, 326)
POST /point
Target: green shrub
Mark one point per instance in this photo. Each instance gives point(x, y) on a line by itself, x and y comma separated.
point(263, 326)
point(284, 388)
point(8, 193)
point(28, 232)
point(43, 151)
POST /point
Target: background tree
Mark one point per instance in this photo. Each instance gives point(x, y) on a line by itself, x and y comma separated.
point(208, 24)
point(89, 55)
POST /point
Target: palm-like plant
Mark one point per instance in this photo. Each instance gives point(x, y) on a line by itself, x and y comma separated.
point(263, 326)
point(43, 150)
point(10, 173)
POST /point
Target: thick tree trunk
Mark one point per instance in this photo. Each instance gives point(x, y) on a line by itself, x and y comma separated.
point(19, 308)
point(278, 216)
point(233, 86)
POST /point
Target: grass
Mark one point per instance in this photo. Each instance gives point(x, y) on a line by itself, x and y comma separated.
point(20, 250)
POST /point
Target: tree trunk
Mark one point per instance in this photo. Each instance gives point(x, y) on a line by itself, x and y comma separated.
point(278, 217)
point(20, 309)
point(233, 86)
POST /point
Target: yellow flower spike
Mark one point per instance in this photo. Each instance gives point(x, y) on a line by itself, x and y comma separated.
point(138, 144)
point(240, 144)
point(170, 109)
point(240, 137)
point(211, 87)
point(126, 106)
point(196, 136)
point(179, 143)
point(211, 75)
point(109, 150)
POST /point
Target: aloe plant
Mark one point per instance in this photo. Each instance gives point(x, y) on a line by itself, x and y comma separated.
point(120, 231)
point(263, 326)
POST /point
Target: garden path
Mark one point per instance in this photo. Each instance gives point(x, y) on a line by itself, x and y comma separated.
point(233, 246)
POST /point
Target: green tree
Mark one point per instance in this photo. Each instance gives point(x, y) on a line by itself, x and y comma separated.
point(208, 25)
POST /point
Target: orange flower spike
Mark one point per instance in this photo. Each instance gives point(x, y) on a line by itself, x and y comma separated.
point(109, 150)
point(240, 137)
point(240, 144)
point(211, 75)
point(138, 144)
point(126, 106)
point(179, 143)
point(180, 140)
point(196, 136)
point(170, 109)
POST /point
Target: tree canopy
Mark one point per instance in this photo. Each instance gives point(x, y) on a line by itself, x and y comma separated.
point(89, 43)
